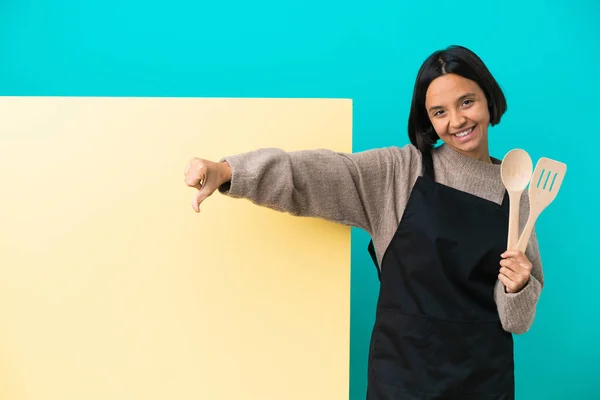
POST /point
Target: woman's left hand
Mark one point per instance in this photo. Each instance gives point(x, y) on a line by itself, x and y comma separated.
point(515, 270)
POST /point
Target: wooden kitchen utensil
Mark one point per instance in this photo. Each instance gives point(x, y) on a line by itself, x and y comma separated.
point(516, 172)
point(545, 183)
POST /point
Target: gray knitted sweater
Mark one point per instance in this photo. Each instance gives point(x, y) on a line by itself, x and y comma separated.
point(369, 190)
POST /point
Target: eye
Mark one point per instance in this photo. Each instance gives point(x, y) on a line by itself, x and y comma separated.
point(467, 102)
point(438, 113)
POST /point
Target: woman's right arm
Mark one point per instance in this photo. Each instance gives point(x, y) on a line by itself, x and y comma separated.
point(350, 189)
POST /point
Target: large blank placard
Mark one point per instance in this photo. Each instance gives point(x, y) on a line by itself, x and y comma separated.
point(111, 287)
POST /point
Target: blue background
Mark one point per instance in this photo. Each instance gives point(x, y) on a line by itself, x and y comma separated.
point(545, 55)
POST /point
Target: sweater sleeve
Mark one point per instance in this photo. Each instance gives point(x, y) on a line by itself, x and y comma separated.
point(517, 310)
point(338, 187)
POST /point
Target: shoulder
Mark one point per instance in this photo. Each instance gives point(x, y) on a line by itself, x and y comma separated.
point(405, 156)
point(397, 157)
point(408, 150)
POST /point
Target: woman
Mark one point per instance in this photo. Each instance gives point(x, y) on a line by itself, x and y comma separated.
point(451, 296)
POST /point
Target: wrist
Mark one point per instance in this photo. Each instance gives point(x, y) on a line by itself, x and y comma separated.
point(517, 290)
point(224, 172)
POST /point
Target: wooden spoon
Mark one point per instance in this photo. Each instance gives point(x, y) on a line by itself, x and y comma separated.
point(516, 172)
point(545, 183)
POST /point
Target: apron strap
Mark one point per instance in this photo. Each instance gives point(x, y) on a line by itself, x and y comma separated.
point(428, 172)
point(427, 160)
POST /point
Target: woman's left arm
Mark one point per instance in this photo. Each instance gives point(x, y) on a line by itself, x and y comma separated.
point(520, 283)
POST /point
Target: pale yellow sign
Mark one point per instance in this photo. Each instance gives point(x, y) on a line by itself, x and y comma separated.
point(112, 287)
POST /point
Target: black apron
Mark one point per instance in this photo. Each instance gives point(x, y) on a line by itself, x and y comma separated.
point(437, 332)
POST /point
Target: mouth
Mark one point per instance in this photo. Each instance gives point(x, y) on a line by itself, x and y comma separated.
point(464, 133)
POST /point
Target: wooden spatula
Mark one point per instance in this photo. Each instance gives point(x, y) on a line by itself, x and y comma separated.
point(516, 174)
point(545, 183)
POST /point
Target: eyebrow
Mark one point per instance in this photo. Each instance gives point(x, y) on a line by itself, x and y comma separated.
point(464, 96)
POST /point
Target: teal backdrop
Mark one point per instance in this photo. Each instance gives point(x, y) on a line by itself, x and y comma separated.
point(545, 55)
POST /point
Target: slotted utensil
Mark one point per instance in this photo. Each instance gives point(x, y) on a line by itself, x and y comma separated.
point(545, 184)
point(515, 171)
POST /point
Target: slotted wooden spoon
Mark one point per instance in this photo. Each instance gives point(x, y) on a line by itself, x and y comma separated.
point(515, 172)
point(545, 184)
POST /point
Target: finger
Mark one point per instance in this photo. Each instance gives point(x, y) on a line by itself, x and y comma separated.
point(519, 257)
point(514, 266)
point(516, 254)
point(525, 264)
point(509, 284)
point(196, 176)
point(523, 260)
point(189, 164)
point(517, 276)
point(511, 253)
point(198, 198)
point(520, 268)
point(505, 280)
point(510, 274)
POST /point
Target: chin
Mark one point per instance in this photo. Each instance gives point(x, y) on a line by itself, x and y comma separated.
point(468, 147)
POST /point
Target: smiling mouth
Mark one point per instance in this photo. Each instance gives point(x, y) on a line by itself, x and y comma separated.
point(464, 133)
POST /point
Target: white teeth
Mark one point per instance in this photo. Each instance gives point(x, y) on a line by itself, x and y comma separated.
point(465, 133)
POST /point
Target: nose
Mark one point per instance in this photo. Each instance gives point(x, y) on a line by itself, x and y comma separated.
point(457, 120)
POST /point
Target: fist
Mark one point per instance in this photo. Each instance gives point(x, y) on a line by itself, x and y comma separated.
point(206, 177)
point(515, 270)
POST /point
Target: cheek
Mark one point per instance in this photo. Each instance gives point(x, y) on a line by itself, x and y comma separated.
point(480, 114)
point(439, 126)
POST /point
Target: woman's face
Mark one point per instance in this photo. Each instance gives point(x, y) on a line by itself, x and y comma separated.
point(458, 111)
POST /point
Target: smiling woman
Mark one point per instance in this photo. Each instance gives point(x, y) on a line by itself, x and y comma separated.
point(456, 98)
point(451, 296)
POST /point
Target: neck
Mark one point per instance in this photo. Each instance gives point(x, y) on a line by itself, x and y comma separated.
point(468, 167)
point(474, 158)
point(485, 157)
point(480, 154)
